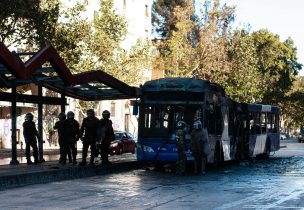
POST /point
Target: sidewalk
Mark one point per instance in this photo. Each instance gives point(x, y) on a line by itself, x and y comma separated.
point(48, 155)
point(21, 175)
point(7, 153)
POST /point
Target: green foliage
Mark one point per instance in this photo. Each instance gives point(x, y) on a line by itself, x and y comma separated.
point(277, 62)
point(109, 31)
point(22, 22)
point(244, 83)
point(196, 46)
point(71, 37)
point(162, 19)
point(292, 105)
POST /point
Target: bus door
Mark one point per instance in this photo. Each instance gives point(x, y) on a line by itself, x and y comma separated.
point(258, 136)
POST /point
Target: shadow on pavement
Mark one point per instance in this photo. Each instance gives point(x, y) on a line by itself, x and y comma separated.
point(21, 175)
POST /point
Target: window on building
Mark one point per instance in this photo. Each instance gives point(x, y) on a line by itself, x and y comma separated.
point(124, 5)
point(113, 109)
point(127, 121)
point(146, 11)
point(127, 105)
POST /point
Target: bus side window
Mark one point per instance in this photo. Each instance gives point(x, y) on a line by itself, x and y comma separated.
point(211, 119)
point(251, 123)
point(218, 120)
point(231, 122)
point(148, 111)
point(257, 120)
point(276, 123)
point(270, 122)
point(263, 122)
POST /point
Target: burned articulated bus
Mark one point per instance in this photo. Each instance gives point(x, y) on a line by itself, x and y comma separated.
point(166, 101)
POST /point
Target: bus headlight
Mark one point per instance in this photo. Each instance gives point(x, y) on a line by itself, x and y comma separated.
point(147, 149)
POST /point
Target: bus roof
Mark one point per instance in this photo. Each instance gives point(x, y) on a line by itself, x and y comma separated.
point(263, 108)
point(180, 84)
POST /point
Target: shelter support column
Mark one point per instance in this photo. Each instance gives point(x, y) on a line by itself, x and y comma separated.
point(40, 125)
point(14, 160)
point(62, 105)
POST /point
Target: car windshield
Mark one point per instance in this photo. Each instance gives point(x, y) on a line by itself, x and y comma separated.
point(118, 136)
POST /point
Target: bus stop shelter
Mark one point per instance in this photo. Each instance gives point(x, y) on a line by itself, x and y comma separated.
point(88, 86)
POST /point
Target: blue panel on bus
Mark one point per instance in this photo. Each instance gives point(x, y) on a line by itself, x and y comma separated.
point(158, 151)
point(263, 108)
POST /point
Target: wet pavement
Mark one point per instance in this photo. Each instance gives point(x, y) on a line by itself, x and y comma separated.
point(277, 183)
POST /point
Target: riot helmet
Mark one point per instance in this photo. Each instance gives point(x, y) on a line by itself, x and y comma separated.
point(29, 117)
point(62, 116)
point(181, 125)
point(70, 115)
point(90, 113)
point(106, 114)
point(197, 125)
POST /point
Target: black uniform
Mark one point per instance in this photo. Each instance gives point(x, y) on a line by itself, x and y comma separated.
point(107, 136)
point(70, 134)
point(181, 131)
point(59, 126)
point(89, 128)
point(30, 133)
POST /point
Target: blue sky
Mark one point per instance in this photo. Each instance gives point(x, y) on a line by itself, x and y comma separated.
point(282, 17)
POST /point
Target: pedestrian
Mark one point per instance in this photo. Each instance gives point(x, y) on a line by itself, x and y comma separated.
point(181, 147)
point(199, 147)
point(107, 135)
point(89, 136)
point(59, 126)
point(30, 135)
point(70, 134)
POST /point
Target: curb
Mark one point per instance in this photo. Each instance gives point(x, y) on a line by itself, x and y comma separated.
point(55, 173)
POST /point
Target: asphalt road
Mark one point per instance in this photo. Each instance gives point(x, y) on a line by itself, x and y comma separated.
point(277, 183)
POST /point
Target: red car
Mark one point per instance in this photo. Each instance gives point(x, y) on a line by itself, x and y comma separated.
point(123, 143)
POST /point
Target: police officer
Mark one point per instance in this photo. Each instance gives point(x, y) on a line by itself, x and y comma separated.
point(181, 147)
point(30, 133)
point(89, 135)
point(70, 133)
point(199, 147)
point(107, 135)
point(59, 126)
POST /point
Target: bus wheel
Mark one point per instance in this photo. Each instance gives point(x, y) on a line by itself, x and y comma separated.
point(218, 156)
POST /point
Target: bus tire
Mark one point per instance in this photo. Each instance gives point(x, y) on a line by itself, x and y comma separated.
point(218, 156)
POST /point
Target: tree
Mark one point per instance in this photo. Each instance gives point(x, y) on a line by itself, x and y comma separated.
point(244, 83)
point(30, 24)
point(277, 62)
point(110, 29)
point(162, 19)
point(199, 43)
point(292, 106)
point(22, 20)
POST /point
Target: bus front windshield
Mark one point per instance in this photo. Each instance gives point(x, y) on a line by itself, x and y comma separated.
point(161, 120)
